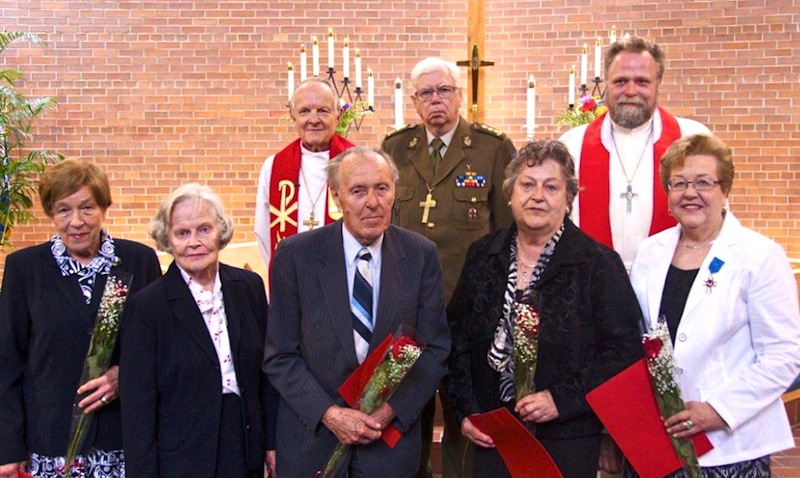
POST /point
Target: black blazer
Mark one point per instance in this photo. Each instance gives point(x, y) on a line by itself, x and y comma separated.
point(589, 327)
point(45, 328)
point(170, 383)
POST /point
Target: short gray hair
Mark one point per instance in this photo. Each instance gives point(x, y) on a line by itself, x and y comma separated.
point(311, 81)
point(433, 64)
point(196, 193)
point(368, 151)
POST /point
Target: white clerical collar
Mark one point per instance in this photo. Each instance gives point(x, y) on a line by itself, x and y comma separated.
point(318, 154)
point(446, 138)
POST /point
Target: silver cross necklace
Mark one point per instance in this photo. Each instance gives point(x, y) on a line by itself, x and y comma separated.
point(629, 195)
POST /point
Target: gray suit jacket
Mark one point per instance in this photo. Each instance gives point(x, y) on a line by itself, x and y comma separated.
point(310, 349)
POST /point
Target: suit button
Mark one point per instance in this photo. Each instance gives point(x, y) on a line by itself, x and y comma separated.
point(431, 225)
point(473, 200)
point(682, 337)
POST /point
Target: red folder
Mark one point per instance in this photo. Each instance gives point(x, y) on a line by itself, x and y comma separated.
point(522, 453)
point(22, 474)
point(627, 407)
point(351, 389)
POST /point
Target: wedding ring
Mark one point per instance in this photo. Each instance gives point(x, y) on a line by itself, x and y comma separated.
point(688, 424)
point(105, 402)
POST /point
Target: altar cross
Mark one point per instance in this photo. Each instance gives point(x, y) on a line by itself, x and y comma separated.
point(476, 43)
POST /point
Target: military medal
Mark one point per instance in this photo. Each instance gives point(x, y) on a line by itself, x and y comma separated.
point(470, 179)
point(713, 268)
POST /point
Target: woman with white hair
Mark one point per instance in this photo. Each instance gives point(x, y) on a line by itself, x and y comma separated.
point(195, 400)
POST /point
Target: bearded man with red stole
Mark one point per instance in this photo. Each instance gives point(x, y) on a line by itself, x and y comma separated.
point(293, 194)
point(617, 155)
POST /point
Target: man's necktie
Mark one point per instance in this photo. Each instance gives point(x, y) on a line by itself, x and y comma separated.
point(361, 305)
point(436, 154)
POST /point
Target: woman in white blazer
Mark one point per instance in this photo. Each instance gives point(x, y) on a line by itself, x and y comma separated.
point(730, 301)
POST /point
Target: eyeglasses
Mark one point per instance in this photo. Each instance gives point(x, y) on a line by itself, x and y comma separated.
point(699, 184)
point(445, 92)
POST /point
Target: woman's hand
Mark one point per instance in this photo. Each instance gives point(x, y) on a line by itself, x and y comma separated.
point(10, 470)
point(476, 436)
point(271, 462)
point(537, 407)
point(103, 390)
point(696, 417)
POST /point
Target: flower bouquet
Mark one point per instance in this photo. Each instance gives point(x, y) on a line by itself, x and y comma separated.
point(350, 114)
point(404, 349)
point(526, 347)
point(661, 368)
point(98, 357)
point(587, 109)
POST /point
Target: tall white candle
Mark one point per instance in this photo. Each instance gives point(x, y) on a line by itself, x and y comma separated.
point(314, 56)
point(597, 54)
point(358, 68)
point(290, 81)
point(530, 116)
point(303, 61)
point(398, 103)
point(370, 88)
point(346, 59)
point(330, 47)
point(571, 93)
point(584, 65)
point(612, 38)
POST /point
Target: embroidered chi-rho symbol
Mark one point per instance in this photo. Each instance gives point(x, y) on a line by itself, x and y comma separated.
point(470, 179)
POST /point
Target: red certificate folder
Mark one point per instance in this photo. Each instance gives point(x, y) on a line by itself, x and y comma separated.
point(351, 389)
point(627, 407)
point(522, 453)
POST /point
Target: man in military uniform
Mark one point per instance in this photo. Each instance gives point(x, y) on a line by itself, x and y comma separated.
point(450, 191)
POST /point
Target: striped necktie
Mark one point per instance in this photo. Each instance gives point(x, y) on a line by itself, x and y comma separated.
point(361, 305)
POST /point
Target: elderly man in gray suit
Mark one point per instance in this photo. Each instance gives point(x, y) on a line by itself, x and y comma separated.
point(323, 323)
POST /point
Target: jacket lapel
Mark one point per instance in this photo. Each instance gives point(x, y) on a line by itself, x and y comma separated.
point(234, 298)
point(419, 157)
point(391, 268)
point(332, 284)
point(183, 308)
point(660, 260)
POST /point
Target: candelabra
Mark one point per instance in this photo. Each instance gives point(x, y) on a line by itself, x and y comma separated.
point(343, 88)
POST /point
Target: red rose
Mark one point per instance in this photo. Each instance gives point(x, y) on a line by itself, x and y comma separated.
point(588, 106)
point(652, 347)
point(397, 347)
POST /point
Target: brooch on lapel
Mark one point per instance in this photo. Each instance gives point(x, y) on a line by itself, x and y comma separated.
point(467, 141)
point(413, 142)
point(714, 267)
point(470, 179)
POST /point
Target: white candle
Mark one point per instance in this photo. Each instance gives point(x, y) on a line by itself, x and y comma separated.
point(314, 56)
point(330, 47)
point(571, 94)
point(612, 38)
point(303, 61)
point(530, 117)
point(358, 68)
point(290, 81)
point(346, 59)
point(398, 103)
point(370, 88)
point(597, 54)
point(584, 65)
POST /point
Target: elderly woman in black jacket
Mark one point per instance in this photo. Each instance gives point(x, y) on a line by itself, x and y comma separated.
point(588, 329)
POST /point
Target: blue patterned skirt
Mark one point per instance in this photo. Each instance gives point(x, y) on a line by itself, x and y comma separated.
point(95, 464)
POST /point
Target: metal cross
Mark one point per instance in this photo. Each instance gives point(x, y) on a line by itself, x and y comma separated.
point(475, 63)
point(428, 203)
point(310, 222)
point(629, 196)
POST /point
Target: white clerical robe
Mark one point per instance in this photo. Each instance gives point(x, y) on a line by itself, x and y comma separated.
point(627, 228)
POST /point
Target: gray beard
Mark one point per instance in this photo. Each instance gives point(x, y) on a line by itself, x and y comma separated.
point(629, 116)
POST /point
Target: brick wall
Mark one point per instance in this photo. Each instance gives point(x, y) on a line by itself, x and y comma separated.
point(160, 93)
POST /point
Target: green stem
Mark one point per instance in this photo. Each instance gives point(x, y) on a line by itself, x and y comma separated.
point(334, 461)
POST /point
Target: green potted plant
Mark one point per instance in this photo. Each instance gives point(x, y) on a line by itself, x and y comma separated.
point(19, 166)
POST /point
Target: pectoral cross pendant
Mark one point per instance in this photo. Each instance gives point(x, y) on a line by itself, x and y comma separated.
point(629, 196)
point(428, 203)
point(310, 222)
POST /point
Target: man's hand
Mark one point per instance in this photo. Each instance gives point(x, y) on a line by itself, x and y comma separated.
point(383, 415)
point(352, 427)
point(270, 460)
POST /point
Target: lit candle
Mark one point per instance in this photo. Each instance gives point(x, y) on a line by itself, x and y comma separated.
point(626, 37)
point(346, 59)
point(314, 56)
point(584, 64)
point(370, 88)
point(303, 61)
point(330, 47)
point(597, 54)
point(358, 68)
point(571, 94)
point(530, 116)
point(398, 103)
point(290, 81)
point(613, 37)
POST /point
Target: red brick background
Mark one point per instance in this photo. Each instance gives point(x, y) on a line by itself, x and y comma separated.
point(160, 93)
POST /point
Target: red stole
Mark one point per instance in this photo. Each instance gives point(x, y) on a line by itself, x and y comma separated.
point(283, 203)
point(594, 180)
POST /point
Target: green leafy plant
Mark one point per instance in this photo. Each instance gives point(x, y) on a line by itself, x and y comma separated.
point(587, 109)
point(19, 166)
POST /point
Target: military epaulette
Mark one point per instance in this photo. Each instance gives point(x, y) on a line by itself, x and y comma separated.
point(488, 130)
point(398, 131)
